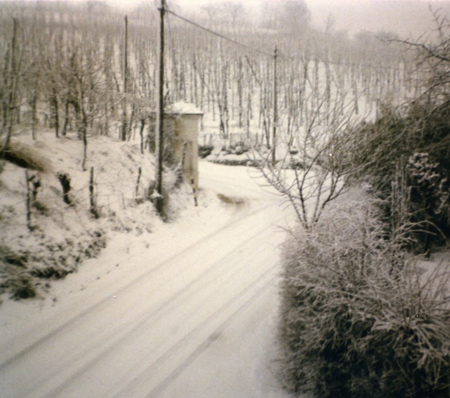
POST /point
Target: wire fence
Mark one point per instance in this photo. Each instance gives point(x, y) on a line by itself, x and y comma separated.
point(54, 205)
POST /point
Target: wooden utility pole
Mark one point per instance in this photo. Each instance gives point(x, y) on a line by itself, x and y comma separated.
point(160, 117)
point(275, 108)
point(125, 84)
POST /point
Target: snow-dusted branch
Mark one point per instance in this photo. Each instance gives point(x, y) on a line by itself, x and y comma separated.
point(316, 174)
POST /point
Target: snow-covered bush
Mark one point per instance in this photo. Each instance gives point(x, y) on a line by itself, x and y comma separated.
point(205, 150)
point(27, 265)
point(357, 319)
point(430, 190)
point(413, 142)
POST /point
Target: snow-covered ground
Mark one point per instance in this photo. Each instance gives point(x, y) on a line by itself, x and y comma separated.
point(187, 310)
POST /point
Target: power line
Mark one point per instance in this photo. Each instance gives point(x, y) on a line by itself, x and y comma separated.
point(219, 34)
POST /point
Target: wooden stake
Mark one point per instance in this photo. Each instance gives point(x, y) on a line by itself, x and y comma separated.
point(28, 201)
point(194, 191)
point(137, 182)
point(93, 207)
point(275, 108)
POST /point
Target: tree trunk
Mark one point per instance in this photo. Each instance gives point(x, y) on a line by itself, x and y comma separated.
point(55, 111)
point(64, 179)
point(11, 104)
point(66, 118)
point(141, 133)
point(125, 86)
point(34, 113)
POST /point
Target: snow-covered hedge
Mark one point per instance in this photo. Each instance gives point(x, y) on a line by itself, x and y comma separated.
point(405, 151)
point(26, 269)
point(357, 317)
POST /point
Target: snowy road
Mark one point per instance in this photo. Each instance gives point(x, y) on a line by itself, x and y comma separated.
point(187, 311)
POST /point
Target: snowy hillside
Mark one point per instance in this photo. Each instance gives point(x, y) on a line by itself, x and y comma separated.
point(59, 236)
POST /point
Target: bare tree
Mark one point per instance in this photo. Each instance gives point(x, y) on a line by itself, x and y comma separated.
point(434, 59)
point(316, 173)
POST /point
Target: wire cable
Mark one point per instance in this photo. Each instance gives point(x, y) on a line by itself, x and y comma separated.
point(221, 36)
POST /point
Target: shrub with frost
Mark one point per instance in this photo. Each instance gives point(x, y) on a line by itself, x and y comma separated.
point(414, 141)
point(357, 317)
point(429, 189)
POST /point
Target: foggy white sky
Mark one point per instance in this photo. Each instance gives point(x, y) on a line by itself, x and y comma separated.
point(409, 18)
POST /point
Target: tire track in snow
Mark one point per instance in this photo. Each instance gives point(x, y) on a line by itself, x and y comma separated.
point(207, 343)
point(265, 279)
point(65, 326)
point(259, 189)
point(168, 305)
point(170, 302)
point(189, 292)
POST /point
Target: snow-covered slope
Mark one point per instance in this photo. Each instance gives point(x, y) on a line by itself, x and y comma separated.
point(59, 237)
